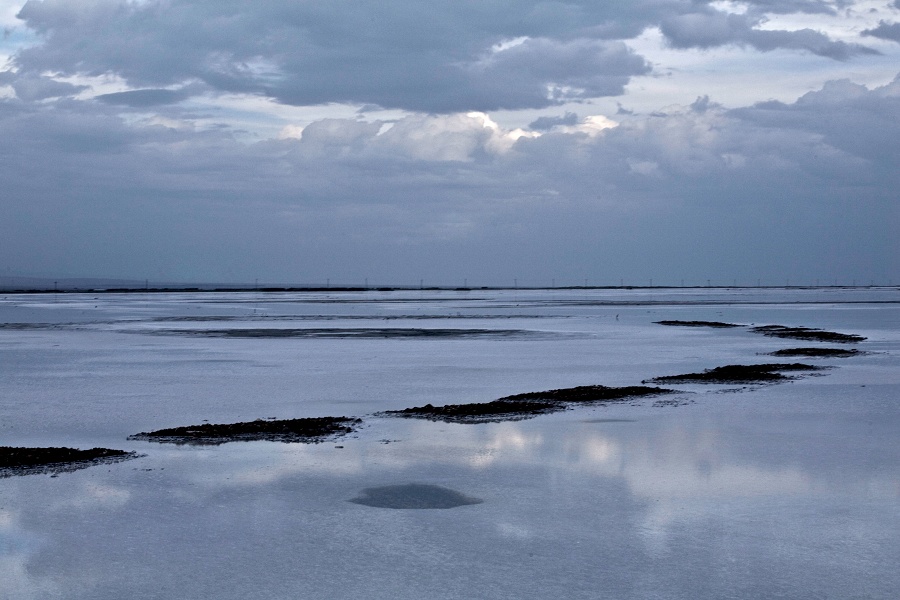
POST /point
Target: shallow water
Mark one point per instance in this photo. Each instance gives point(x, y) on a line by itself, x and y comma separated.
point(789, 490)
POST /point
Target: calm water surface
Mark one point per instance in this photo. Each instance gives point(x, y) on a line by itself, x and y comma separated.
point(785, 491)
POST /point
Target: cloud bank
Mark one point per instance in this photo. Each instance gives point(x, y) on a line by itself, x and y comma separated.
point(425, 55)
point(133, 145)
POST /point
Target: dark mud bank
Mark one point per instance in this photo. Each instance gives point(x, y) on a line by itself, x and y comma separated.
point(808, 334)
point(528, 405)
point(817, 352)
point(714, 324)
point(32, 461)
point(738, 374)
point(348, 333)
point(308, 431)
point(780, 331)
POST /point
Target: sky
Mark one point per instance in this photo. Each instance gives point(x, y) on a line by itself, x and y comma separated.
point(475, 142)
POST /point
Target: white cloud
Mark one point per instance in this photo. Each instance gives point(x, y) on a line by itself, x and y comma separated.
point(437, 138)
point(592, 125)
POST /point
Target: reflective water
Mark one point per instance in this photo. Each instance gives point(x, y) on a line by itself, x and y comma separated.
point(791, 490)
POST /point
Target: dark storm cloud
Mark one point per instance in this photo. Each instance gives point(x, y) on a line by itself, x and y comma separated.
point(846, 116)
point(429, 56)
point(780, 188)
point(805, 39)
point(545, 123)
point(30, 87)
point(885, 31)
point(145, 98)
point(712, 28)
point(132, 185)
point(535, 73)
point(425, 55)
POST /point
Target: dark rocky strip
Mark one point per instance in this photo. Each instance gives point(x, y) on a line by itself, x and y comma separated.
point(807, 333)
point(479, 412)
point(527, 405)
point(765, 373)
point(588, 394)
point(781, 331)
point(32, 461)
point(816, 352)
point(715, 324)
point(307, 431)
